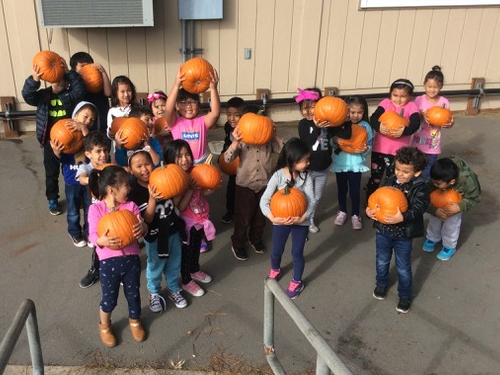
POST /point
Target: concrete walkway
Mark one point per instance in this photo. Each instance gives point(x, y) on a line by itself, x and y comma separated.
point(453, 327)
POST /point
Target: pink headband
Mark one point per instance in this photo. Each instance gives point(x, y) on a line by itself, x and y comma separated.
point(154, 96)
point(306, 95)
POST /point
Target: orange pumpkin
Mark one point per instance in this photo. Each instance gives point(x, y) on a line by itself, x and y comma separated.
point(442, 198)
point(197, 73)
point(118, 224)
point(116, 124)
point(72, 141)
point(387, 200)
point(288, 202)
point(133, 131)
point(206, 175)
point(358, 140)
point(51, 66)
point(169, 180)
point(331, 109)
point(105, 165)
point(92, 78)
point(256, 129)
point(229, 168)
point(438, 116)
point(393, 122)
point(160, 125)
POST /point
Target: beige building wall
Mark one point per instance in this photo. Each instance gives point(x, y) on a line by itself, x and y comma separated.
point(294, 43)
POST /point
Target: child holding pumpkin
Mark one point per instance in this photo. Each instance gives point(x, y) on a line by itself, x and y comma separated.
point(428, 137)
point(123, 97)
point(157, 102)
point(350, 163)
point(388, 122)
point(53, 103)
point(291, 172)
point(446, 174)
point(395, 232)
point(111, 186)
point(181, 114)
point(194, 210)
point(163, 241)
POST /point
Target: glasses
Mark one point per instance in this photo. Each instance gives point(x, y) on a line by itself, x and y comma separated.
point(185, 103)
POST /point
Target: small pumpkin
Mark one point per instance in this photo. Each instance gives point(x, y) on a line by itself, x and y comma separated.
point(442, 198)
point(92, 78)
point(331, 109)
point(394, 122)
point(358, 140)
point(256, 129)
point(387, 200)
point(51, 66)
point(169, 180)
point(229, 168)
point(197, 75)
point(120, 224)
point(288, 202)
point(116, 124)
point(133, 131)
point(72, 141)
point(206, 175)
point(438, 115)
point(160, 125)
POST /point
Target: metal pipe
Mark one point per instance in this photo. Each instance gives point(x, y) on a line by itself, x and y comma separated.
point(183, 40)
point(272, 360)
point(191, 37)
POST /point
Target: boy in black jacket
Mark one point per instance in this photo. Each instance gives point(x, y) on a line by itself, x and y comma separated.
point(397, 235)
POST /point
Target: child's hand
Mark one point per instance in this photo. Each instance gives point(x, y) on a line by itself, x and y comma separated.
point(140, 229)
point(153, 192)
point(214, 79)
point(322, 124)
point(179, 78)
point(99, 67)
point(120, 139)
point(361, 150)
point(193, 184)
point(391, 133)
point(451, 209)
point(56, 147)
point(441, 213)
point(281, 220)
point(370, 213)
point(236, 134)
point(394, 219)
point(64, 64)
point(450, 124)
point(36, 73)
point(74, 126)
point(111, 242)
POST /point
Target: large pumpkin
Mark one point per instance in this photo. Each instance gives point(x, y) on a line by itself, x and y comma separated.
point(134, 131)
point(331, 109)
point(116, 124)
point(51, 66)
point(288, 202)
point(442, 198)
point(393, 122)
point(169, 180)
point(387, 200)
point(92, 78)
point(197, 73)
point(72, 141)
point(255, 129)
point(120, 224)
point(438, 116)
point(206, 175)
point(229, 168)
point(358, 140)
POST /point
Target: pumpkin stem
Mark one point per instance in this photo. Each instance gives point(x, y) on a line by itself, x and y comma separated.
point(443, 106)
point(287, 190)
point(209, 159)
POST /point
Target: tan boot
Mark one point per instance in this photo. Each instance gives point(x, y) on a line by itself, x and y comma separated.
point(137, 330)
point(107, 336)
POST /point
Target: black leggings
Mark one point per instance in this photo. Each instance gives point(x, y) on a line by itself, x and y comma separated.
point(190, 261)
point(380, 163)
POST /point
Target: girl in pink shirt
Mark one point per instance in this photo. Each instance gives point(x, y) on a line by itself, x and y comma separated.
point(386, 143)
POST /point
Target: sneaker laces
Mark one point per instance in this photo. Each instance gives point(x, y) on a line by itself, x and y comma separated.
point(294, 285)
point(273, 274)
point(178, 298)
point(155, 301)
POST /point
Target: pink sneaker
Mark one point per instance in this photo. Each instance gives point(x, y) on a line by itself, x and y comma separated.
point(274, 274)
point(357, 224)
point(341, 218)
point(193, 289)
point(202, 277)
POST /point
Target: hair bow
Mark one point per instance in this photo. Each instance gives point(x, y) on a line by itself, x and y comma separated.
point(155, 95)
point(306, 95)
point(131, 153)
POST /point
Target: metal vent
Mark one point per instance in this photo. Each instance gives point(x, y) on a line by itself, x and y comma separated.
point(95, 13)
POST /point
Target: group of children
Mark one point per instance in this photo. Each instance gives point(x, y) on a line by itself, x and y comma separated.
point(177, 229)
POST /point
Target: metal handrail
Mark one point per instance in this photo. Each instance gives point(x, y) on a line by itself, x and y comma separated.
point(25, 316)
point(327, 360)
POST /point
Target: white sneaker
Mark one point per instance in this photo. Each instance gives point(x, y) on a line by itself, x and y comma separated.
point(157, 303)
point(313, 229)
point(341, 218)
point(357, 224)
point(178, 299)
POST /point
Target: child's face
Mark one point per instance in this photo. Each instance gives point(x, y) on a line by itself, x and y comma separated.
point(443, 185)
point(187, 108)
point(233, 116)
point(432, 88)
point(141, 167)
point(183, 159)
point(158, 107)
point(124, 94)
point(121, 192)
point(405, 172)
point(356, 113)
point(399, 97)
point(146, 118)
point(59, 86)
point(79, 66)
point(302, 164)
point(98, 156)
point(86, 116)
point(307, 109)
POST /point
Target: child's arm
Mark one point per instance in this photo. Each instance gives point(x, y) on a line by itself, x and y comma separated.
point(234, 148)
point(57, 148)
point(30, 92)
point(83, 178)
point(212, 116)
point(74, 126)
point(414, 124)
point(149, 213)
point(184, 201)
point(76, 85)
point(106, 83)
point(417, 207)
point(374, 119)
point(154, 150)
point(170, 114)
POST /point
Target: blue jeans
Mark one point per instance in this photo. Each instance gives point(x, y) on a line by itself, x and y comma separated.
point(169, 266)
point(77, 196)
point(431, 159)
point(402, 247)
point(280, 236)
